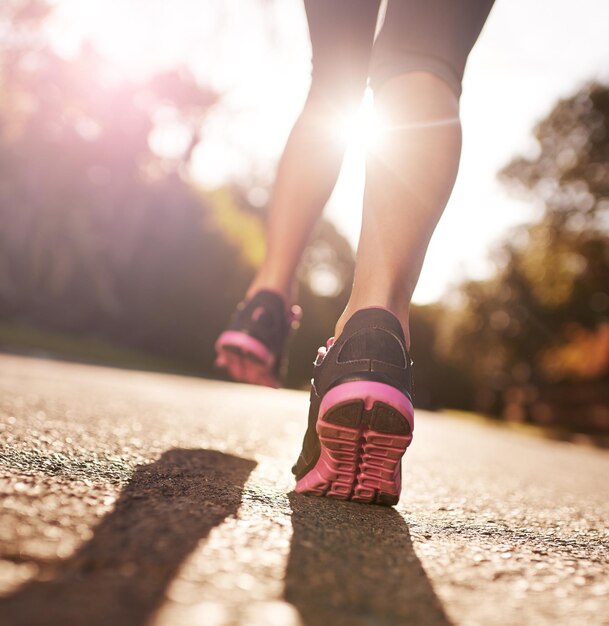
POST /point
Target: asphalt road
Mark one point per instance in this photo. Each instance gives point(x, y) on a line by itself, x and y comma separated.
point(131, 498)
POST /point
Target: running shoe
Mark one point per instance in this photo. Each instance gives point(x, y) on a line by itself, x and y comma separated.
point(361, 417)
point(252, 348)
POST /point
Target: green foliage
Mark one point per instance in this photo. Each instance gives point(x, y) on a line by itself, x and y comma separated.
point(552, 274)
point(570, 173)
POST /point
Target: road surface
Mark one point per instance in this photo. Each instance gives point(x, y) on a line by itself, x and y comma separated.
point(133, 498)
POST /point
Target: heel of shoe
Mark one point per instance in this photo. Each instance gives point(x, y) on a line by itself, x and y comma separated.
point(245, 359)
point(364, 430)
point(397, 417)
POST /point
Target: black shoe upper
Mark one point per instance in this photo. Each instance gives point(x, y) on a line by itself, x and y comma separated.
point(265, 318)
point(371, 348)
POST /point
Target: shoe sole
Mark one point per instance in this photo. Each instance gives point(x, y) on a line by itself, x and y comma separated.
point(364, 430)
point(245, 359)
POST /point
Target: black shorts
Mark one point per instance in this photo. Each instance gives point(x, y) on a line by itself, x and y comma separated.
point(434, 36)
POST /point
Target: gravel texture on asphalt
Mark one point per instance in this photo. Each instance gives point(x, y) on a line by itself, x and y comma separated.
point(132, 498)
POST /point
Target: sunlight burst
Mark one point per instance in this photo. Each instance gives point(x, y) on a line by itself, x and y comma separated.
point(362, 128)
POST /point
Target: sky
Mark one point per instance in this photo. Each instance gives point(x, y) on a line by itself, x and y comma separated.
point(257, 54)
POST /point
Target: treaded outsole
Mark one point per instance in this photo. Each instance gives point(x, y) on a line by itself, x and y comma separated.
point(245, 359)
point(362, 444)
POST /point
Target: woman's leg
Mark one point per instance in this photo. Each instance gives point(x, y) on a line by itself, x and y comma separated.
point(409, 177)
point(342, 33)
point(361, 413)
point(306, 176)
point(416, 71)
point(252, 347)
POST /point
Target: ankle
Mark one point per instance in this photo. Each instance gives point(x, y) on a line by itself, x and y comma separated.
point(401, 311)
point(270, 282)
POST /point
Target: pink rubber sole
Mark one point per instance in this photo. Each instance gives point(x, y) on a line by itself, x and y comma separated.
point(364, 429)
point(245, 359)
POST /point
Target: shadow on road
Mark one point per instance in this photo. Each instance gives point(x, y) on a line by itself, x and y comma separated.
point(119, 577)
point(354, 565)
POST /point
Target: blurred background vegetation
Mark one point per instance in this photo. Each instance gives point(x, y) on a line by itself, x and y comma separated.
point(109, 253)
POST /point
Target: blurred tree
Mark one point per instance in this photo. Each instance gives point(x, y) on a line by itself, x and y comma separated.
point(570, 173)
point(553, 274)
point(101, 231)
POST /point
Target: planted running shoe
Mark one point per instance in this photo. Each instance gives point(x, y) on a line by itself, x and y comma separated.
point(252, 348)
point(361, 417)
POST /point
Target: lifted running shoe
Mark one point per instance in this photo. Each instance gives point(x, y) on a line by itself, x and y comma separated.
point(252, 348)
point(361, 417)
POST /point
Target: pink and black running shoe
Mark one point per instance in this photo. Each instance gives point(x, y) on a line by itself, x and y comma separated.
point(361, 417)
point(252, 348)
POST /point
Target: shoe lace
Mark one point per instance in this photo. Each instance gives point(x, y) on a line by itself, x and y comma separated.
point(323, 350)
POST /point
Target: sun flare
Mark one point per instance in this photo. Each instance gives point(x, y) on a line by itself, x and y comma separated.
point(362, 128)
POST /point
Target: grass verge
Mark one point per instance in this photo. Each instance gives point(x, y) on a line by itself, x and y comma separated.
point(23, 339)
